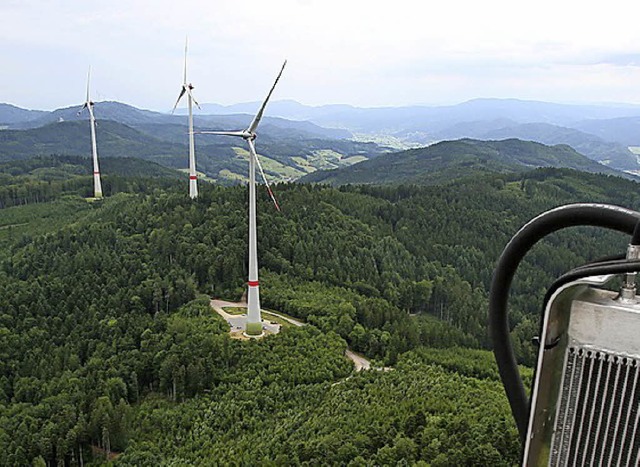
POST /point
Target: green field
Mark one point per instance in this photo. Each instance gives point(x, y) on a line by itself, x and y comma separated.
point(234, 310)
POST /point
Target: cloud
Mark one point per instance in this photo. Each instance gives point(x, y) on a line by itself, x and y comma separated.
point(361, 52)
point(623, 59)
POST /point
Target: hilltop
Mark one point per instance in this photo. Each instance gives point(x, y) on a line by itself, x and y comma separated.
point(450, 160)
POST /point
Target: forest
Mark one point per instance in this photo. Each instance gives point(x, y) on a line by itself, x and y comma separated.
point(110, 353)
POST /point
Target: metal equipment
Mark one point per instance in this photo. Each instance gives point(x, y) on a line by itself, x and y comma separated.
point(585, 399)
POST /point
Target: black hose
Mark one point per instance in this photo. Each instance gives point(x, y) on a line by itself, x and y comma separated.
point(595, 269)
point(598, 215)
point(635, 237)
point(608, 258)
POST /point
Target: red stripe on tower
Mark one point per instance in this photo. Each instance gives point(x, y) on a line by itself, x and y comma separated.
point(193, 177)
point(253, 283)
point(96, 173)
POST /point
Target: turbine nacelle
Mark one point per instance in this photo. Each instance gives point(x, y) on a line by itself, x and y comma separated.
point(186, 89)
point(87, 105)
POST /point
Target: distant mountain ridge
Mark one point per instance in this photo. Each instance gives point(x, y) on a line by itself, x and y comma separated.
point(422, 118)
point(483, 108)
point(600, 132)
point(623, 130)
point(10, 114)
point(450, 160)
point(131, 116)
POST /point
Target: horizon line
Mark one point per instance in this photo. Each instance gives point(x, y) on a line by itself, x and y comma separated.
point(337, 104)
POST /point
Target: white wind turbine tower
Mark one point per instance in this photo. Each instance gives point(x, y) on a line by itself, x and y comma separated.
point(186, 89)
point(254, 321)
point(88, 104)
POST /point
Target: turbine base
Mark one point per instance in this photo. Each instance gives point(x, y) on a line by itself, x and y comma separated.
point(254, 329)
point(193, 188)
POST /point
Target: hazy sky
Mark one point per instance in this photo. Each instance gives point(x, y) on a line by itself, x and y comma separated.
point(365, 53)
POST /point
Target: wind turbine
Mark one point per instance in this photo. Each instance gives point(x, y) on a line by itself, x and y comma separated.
point(254, 321)
point(186, 89)
point(88, 104)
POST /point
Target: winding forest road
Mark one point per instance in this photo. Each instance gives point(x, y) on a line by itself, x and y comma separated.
point(288, 319)
point(359, 361)
point(238, 322)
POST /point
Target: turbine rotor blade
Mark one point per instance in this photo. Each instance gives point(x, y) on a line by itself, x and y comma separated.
point(223, 133)
point(84, 106)
point(256, 120)
point(184, 89)
point(193, 98)
point(88, 83)
point(264, 177)
point(186, 43)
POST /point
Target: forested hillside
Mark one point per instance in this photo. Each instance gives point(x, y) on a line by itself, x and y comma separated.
point(613, 155)
point(450, 160)
point(107, 343)
point(40, 179)
point(288, 152)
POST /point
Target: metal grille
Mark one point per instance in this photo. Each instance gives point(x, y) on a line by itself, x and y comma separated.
point(598, 416)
